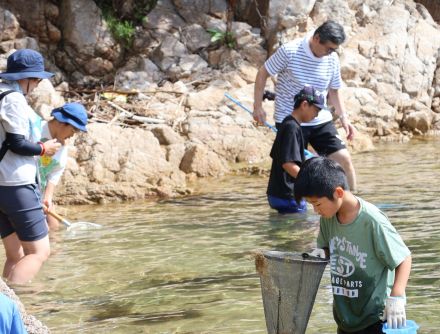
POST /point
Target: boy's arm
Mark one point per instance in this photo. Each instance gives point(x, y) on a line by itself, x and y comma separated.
point(394, 312)
point(401, 277)
point(291, 168)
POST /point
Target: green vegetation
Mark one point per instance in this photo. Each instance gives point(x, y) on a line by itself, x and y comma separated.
point(222, 37)
point(122, 22)
point(123, 31)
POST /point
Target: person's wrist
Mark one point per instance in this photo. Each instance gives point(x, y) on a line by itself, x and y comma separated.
point(343, 116)
point(43, 148)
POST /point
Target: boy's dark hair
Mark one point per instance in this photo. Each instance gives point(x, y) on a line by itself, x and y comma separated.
point(299, 101)
point(319, 177)
point(311, 95)
point(330, 31)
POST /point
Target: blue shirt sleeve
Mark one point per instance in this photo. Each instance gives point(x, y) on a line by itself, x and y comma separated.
point(17, 325)
point(10, 318)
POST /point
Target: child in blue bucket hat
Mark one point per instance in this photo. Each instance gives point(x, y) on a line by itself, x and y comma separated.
point(23, 226)
point(66, 121)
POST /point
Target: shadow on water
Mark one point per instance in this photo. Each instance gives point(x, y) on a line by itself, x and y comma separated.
point(186, 265)
point(116, 310)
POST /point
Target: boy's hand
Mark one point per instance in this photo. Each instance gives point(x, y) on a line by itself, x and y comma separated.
point(395, 314)
point(51, 147)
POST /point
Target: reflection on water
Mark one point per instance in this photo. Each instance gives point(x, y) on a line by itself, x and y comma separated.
point(186, 266)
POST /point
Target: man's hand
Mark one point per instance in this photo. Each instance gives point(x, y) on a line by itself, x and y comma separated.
point(259, 115)
point(348, 127)
point(394, 313)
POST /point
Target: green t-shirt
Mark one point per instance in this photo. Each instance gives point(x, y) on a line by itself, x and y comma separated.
point(363, 256)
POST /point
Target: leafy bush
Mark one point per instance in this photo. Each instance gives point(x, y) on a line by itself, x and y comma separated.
point(123, 31)
point(122, 22)
point(222, 37)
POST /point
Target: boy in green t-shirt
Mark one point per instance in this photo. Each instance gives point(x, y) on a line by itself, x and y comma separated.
point(369, 262)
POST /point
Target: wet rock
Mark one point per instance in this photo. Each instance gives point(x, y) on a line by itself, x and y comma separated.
point(419, 121)
point(200, 160)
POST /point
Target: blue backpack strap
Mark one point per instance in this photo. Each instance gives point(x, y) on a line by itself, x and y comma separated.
point(5, 145)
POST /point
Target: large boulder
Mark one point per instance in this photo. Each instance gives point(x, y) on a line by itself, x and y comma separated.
point(38, 17)
point(87, 40)
point(111, 163)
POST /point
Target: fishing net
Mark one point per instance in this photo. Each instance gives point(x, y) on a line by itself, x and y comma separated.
point(289, 283)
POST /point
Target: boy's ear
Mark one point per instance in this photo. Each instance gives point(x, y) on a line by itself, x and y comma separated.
point(304, 104)
point(339, 192)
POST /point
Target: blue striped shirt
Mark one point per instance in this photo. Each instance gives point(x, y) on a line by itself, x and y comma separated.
point(296, 65)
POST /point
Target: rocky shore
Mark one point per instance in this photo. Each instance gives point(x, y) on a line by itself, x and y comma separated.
point(158, 115)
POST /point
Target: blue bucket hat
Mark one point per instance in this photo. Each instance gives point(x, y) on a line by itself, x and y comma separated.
point(72, 113)
point(24, 64)
point(311, 95)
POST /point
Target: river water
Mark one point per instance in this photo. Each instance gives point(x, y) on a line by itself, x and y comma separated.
point(185, 265)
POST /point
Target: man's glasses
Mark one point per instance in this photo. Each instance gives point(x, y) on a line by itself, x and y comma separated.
point(329, 48)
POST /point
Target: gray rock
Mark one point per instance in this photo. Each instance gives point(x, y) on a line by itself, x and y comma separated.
point(195, 37)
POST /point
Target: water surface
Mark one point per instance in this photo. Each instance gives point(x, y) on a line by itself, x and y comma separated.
point(185, 265)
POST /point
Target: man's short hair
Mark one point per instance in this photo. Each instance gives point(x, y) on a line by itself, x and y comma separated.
point(319, 177)
point(330, 31)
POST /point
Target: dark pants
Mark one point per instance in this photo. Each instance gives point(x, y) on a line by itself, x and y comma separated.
point(21, 212)
point(373, 329)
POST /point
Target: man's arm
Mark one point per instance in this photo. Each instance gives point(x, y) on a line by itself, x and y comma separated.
point(291, 168)
point(336, 101)
point(260, 83)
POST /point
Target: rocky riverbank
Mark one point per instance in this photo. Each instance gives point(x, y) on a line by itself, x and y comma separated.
point(158, 115)
point(159, 118)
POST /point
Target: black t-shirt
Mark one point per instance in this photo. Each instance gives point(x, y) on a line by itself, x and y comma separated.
point(288, 147)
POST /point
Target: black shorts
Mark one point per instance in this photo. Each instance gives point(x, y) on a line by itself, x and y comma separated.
point(324, 138)
point(21, 212)
point(373, 329)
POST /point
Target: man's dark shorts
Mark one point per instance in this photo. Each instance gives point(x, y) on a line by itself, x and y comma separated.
point(324, 138)
point(21, 212)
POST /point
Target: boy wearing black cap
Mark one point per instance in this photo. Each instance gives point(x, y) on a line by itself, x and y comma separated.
point(288, 152)
point(67, 120)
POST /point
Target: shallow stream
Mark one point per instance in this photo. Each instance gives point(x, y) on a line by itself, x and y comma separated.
point(184, 265)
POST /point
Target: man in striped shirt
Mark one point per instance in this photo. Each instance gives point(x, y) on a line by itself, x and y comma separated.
point(311, 60)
